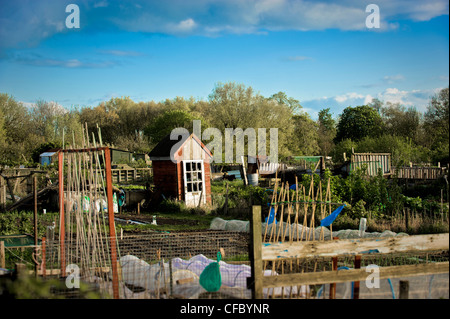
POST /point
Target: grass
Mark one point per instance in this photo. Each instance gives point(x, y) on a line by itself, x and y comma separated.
point(416, 226)
point(181, 221)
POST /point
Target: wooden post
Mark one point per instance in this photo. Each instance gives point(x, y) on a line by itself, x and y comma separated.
point(11, 190)
point(2, 254)
point(21, 270)
point(406, 220)
point(226, 202)
point(43, 257)
point(62, 229)
point(255, 256)
point(244, 171)
point(2, 199)
point(35, 221)
point(356, 283)
point(112, 227)
point(404, 289)
point(333, 285)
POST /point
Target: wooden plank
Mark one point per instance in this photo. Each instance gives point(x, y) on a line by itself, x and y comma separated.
point(344, 275)
point(256, 261)
point(355, 246)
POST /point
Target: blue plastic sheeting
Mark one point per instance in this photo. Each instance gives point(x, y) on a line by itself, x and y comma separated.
point(327, 221)
point(271, 216)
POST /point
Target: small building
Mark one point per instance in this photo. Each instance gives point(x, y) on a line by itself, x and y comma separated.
point(371, 162)
point(48, 157)
point(181, 169)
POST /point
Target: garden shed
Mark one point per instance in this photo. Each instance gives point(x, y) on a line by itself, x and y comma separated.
point(186, 175)
point(371, 162)
point(49, 157)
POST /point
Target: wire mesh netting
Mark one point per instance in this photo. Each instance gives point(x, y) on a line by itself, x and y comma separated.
point(431, 286)
point(164, 265)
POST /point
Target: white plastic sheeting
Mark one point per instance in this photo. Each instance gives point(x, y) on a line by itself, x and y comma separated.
point(185, 278)
point(297, 230)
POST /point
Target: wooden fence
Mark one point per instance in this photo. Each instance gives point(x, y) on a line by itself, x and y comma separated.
point(419, 173)
point(262, 252)
point(130, 175)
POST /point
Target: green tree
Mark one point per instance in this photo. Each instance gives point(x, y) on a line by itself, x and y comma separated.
point(437, 125)
point(401, 121)
point(345, 146)
point(16, 128)
point(236, 106)
point(166, 122)
point(35, 156)
point(358, 122)
point(16, 118)
point(104, 116)
point(282, 98)
point(403, 150)
point(305, 136)
point(327, 131)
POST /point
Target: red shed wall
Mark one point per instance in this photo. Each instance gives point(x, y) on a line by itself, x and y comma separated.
point(165, 177)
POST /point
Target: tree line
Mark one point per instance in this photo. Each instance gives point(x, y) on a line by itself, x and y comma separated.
point(411, 136)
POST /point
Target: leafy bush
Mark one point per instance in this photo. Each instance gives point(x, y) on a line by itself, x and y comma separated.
point(23, 223)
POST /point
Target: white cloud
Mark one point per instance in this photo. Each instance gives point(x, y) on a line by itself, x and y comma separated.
point(368, 99)
point(390, 79)
point(183, 26)
point(348, 96)
point(416, 98)
point(26, 25)
point(336, 103)
point(38, 60)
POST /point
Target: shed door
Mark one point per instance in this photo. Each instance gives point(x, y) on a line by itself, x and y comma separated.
point(194, 180)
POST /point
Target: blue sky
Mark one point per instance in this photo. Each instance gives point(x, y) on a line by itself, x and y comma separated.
point(320, 52)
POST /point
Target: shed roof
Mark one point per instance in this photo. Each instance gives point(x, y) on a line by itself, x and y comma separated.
point(45, 154)
point(163, 148)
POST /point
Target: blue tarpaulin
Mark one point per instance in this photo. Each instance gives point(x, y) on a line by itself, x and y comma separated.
point(271, 216)
point(330, 219)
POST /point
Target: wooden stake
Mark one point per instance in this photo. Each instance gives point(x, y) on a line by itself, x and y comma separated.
point(356, 283)
point(404, 289)
point(274, 196)
point(333, 285)
point(2, 254)
point(35, 221)
point(62, 228)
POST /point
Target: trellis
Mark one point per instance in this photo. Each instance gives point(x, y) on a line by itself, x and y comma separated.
point(87, 211)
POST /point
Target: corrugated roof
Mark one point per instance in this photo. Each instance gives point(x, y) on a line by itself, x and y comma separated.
point(48, 154)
